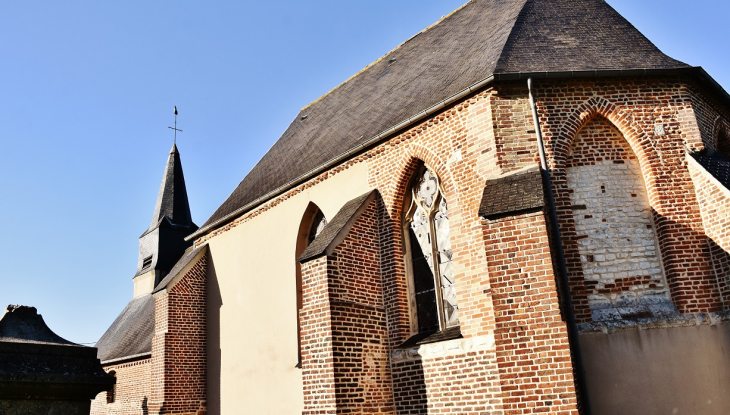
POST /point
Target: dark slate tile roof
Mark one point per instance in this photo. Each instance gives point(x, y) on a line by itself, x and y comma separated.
point(715, 164)
point(131, 333)
point(517, 193)
point(164, 241)
point(172, 199)
point(189, 255)
point(577, 35)
point(333, 228)
point(481, 39)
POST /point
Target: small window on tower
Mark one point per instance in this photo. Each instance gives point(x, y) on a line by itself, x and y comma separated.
point(147, 262)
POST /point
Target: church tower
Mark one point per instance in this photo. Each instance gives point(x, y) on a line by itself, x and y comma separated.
point(164, 243)
point(139, 345)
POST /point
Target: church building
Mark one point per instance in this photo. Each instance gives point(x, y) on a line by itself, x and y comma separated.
point(522, 209)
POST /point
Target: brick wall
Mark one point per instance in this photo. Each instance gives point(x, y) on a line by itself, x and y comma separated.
point(179, 346)
point(526, 369)
point(655, 117)
point(358, 350)
point(456, 376)
point(132, 391)
point(318, 377)
point(532, 349)
point(711, 117)
point(715, 205)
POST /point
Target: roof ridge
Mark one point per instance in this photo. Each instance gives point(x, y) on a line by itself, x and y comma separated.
point(443, 18)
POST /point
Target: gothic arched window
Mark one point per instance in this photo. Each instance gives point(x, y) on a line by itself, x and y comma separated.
point(426, 229)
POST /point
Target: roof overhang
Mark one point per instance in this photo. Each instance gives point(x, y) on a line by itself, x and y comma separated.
point(695, 71)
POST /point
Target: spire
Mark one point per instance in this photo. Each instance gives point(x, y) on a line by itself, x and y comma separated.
point(162, 245)
point(172, 200)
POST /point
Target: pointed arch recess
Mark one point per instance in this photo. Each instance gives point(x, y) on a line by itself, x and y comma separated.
point(599, 155)
point(622, 119)
point(313, 219)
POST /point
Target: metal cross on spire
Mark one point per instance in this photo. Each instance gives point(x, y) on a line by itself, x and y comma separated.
point(175, 128)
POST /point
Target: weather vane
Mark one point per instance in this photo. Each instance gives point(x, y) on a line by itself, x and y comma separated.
point(175, 128)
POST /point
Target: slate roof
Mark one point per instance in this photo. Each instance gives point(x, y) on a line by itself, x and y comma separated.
point(483, 39)
point(164, 241)
point(189, 255)
point(131, 333)
point(514, 194)
point(715, 164)
point(172, 199)
point(334, 228)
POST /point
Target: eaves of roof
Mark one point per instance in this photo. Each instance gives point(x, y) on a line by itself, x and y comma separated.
point(697, 72)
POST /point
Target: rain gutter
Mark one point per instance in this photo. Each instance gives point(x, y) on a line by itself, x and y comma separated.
point(560, 257)
point(697, 71)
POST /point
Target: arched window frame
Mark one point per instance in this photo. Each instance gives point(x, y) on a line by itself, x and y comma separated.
point(429, 200)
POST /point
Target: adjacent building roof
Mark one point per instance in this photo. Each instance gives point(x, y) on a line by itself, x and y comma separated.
point(131, 333)
point(336, 230)
point(715, 164)
point(481, 40)
point(23, 324)
point(37, 367)
point(514, 194)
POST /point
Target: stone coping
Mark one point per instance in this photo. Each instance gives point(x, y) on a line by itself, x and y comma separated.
point(662, 322)
point(444, 348)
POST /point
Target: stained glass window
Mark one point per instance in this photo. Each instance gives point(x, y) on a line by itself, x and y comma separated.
point(427, 229)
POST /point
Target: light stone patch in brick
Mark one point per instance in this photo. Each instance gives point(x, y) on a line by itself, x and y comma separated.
point(445, 348)
point(616, 241)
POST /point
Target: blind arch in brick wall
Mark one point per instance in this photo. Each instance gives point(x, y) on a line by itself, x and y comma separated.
point(313, 220)
point(612, 253)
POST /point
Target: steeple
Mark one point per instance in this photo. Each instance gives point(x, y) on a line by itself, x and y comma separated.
point(163, 244)
point(172, 200)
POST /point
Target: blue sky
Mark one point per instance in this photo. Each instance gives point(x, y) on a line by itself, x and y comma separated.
point(86, 96)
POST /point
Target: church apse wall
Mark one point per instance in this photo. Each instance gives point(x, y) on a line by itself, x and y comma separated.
point(504, 279)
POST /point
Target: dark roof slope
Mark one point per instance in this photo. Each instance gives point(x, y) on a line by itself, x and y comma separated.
point(577, 35)
point(172, 199)
point(483, 38)
point(715, 164)
point(512, 195)
point(131, 333)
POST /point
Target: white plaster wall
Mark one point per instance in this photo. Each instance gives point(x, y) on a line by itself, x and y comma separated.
point(619, 247)
point(252, 303)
